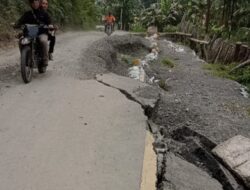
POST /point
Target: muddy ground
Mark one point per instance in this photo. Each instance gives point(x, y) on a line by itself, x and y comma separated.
point(194, 113)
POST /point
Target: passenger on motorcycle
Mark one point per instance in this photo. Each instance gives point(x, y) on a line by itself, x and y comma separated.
point(39, 17)
point(109, 19)
point(51, 35)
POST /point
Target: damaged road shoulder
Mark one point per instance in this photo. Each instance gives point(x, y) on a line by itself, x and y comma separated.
point(147, 96)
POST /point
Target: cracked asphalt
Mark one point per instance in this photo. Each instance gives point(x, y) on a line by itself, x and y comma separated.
point(66, 130)
point(81, 126)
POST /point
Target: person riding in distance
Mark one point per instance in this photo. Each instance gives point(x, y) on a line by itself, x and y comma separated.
point(51, 35)
point(39, 17)
point(109, 19)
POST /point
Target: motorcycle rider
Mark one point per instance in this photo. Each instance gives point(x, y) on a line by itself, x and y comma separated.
point(109, 19)
point(51, 35)
point(39, 17)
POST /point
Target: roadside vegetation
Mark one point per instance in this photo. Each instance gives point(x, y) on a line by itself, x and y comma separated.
point(168, 62)
point(230, 20)
point(205, 19)
point(241, 75)
point(73, 13)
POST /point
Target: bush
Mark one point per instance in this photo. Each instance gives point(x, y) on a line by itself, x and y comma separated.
point(137, 27)
point(243, 75)
point(170, 28)
point(243, 34)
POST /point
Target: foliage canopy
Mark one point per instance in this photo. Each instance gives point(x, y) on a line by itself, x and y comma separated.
point(64, 12)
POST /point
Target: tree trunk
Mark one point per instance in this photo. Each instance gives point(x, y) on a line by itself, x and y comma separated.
point(232, 4)
point(121, 23)
point(227, 13)
point(223, 13)
point(208, 15)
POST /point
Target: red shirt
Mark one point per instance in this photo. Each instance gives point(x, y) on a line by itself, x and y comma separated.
point(110, 19)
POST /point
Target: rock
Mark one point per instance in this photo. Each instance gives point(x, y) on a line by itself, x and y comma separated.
point(183, 175)
point(235, 153)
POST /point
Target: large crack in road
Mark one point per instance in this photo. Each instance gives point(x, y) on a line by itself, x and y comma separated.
point(180, 130)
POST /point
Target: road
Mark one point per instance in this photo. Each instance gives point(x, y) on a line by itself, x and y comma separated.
point(66, 132)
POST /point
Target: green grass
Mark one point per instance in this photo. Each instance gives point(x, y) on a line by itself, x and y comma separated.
point(168, 62)
point(220, 70)
point(241, 75)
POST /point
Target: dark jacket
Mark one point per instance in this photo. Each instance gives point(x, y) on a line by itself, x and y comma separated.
point(34, 17)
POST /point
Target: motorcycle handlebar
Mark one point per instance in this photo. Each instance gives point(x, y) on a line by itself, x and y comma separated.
point(49, 27)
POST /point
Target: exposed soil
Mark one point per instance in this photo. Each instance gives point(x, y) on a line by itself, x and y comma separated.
point(196, 113)
point(212, 106)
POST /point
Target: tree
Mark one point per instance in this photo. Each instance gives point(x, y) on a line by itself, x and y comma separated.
point(65, 12)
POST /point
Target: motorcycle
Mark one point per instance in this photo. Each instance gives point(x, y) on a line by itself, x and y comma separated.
point(108, 29)
point(31, 51)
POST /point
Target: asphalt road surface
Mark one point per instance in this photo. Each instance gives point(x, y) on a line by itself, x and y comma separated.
point(63, 132)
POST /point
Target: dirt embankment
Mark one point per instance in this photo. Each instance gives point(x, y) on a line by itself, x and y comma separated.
point(196, 113)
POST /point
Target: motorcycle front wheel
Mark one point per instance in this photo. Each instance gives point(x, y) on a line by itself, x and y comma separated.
point(108, 30)
point(26, 64)
point(41, 68)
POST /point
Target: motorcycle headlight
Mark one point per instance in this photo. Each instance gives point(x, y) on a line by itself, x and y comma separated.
point(25, 41)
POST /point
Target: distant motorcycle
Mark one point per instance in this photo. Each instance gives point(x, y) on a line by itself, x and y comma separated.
point(31, 51)
point(108, 29)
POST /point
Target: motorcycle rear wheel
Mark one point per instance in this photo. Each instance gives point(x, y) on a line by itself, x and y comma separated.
point(26, 64)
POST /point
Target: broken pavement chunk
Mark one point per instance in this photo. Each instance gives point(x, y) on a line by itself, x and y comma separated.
point(183, 175)
point(235, 153)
